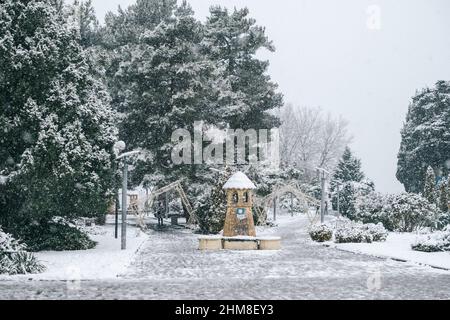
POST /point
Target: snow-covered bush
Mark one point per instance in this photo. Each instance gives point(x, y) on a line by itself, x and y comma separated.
point(412, 212)
point(55, 236)
point(377, 231)
point(434, 242)
point(321, 233)
point(375, 208)
point(14, 259)
point(21, 262)
point(352, 233)
point(347, 231)
point(355, 232)
point(405, 212)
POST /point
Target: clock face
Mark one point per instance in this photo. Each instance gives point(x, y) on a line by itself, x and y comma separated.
point(240, 213)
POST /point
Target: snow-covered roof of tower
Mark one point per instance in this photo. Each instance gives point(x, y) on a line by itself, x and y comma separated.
point(239, 181)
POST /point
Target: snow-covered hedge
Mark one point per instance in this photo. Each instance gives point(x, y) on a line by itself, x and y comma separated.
point(405, 212)
point(14, 259)
point(377, 231)
point(321, 233)
point(352, 233)
point(433, 242)
point(59, 234)
point(347, 231)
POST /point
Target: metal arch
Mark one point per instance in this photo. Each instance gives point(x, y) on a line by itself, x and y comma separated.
point(176, 186)
point(281, 190)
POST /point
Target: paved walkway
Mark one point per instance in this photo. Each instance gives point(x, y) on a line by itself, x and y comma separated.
point(170, 267)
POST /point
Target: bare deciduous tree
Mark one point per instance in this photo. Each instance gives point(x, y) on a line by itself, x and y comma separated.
point(310, 138)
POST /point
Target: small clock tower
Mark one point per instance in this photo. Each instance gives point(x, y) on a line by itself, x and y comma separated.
point(239, 218)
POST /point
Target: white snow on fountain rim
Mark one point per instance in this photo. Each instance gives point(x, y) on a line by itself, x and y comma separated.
point(239, 181)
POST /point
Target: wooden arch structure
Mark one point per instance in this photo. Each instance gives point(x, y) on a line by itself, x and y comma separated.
point(176, 186)
point(262, 205)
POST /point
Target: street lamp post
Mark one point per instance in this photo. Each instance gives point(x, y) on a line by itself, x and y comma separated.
point(323, 173)
point(121, 146)
point(124, 205)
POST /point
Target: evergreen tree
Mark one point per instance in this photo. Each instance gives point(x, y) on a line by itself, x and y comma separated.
point(212, 218)
point(429, 191)
point(57, 127)
point(352, 184)
point(120, 37)
point(168, 85)
point(425, 136)
point(348, 168)
point(82, 17)
point(444, 187)
point(232, 41)
point(163, 76)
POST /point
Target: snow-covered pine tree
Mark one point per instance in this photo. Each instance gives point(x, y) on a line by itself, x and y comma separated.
point(448, 193)
point(425, 136)
point(120, 37)
point(429, 191)
point(57, 127)
point(352, 183)
point(168, 85)
point(348, 168)
point(443, 194)
point(82, 17)
point(232, 40)
point(213, 214)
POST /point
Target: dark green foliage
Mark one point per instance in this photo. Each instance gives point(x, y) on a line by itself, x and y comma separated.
point(321, 233)
point(14, 259)
point(55, 237)
point(232, 40)
point(434, 242)
point(352, 184)
point(57, 128)
point(444, 196)
point(425, 137)
point(20, 263)
point(212, 214)
point(348, 168)
point(165, 69)
point(427, 247)
point(429, 191)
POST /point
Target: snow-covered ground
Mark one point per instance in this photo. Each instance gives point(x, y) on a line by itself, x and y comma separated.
point(398, 246)
point(105, 261)
point(170, 266)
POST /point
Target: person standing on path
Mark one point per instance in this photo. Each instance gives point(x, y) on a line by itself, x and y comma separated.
point(160, 211)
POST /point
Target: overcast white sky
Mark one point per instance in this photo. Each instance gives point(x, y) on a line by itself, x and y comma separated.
point(328, 56)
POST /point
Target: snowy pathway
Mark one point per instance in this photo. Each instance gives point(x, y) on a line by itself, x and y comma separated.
point(170, 267)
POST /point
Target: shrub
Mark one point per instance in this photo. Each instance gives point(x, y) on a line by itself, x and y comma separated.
point(355, 232)
point(55, 236)
point(321, 233)
point(406, 212)
point(347, 231)
point(377, 231)
point(411, 212)
point(375, 208)
point(14, 259)
point(352, 234)
point(434, 242)
point(20, 263)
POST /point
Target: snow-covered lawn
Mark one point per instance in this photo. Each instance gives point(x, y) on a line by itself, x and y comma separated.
point(398, 246)
point(105, 261)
